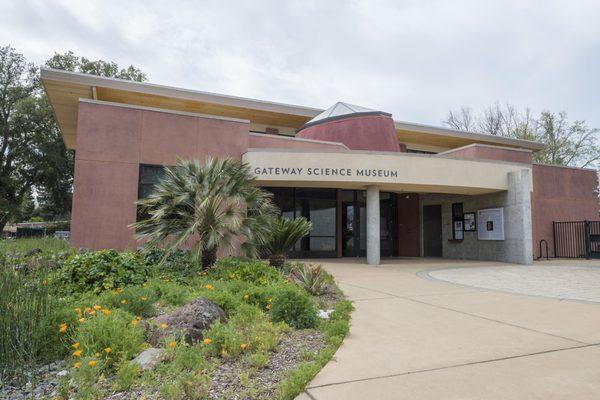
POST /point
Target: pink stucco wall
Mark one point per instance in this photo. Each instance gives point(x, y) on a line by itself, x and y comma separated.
point(367, 132)
point(111, 143)
point(561, 194)
point(484, 152)
point(260, 140)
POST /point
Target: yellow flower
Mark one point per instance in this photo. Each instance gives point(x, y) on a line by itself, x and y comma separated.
point(97, 354)
point(77, 353)
point(91, 363)
point(76, 364)
point(87, 309)
point(268, 307)
point(93, 312)
point(106, 286)
point(246, 297)
point(123, 301)
point(172, 344)
point(269, 299)
point(78, 310)
point(143, 298)
point(62, 328)
point(107, 350)
point(44, 282)
point(75, 345)
point(209, 286)
point(97, 307)
point(207, 341)
point(164, 326)
point(244, 346)
point(106, 311)
point(134, 322)
point(202, 273)
point(81, 320)
point(138, 318)
point(119, 290)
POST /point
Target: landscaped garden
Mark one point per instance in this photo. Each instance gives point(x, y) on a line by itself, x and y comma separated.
point(162, 322)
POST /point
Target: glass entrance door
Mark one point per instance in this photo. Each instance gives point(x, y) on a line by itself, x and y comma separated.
point(354, 224)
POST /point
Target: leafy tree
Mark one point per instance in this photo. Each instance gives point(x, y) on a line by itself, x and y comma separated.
point(33, 157)
point(284, 235)
point(207, 206)
point(566, 143)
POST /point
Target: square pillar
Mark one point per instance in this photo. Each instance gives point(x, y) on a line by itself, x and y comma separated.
point(373, 232)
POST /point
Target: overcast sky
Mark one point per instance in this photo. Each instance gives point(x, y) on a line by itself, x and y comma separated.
point(415, 59)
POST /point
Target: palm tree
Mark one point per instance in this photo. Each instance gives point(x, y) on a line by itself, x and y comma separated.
point(284, 235)
point(206, 206)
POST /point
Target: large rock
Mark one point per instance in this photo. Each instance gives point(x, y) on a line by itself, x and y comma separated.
point(189, 322)
point(149, 358)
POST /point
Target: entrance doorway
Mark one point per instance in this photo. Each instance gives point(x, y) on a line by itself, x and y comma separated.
point(354, 224)
point(432, 231)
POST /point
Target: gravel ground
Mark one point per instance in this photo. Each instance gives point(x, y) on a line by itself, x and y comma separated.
point(261, 383)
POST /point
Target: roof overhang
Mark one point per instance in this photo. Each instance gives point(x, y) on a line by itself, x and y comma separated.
point(65, 88)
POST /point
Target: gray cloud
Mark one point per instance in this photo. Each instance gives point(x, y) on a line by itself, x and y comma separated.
point(416, 59)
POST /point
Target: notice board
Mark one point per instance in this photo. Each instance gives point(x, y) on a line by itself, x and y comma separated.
point(490, 223)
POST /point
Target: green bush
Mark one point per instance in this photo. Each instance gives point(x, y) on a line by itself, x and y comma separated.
point(172, 261)
point(170, 293)
point(137, 300)
point(256, 272)
point(190, 385)
point(225, 340)
point(294, 307)
point(127, 373)
point(103, 270)
point(115, 331)
point(224, 299)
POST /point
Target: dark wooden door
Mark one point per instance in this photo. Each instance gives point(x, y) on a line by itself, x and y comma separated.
point(432, 231)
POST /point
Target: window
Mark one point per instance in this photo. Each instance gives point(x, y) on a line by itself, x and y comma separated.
point(149, 176)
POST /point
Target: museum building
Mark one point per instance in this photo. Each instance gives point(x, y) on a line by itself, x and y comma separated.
point(372, 186)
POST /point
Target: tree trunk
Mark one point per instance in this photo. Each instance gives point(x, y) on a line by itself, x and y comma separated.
point(277, 260)
point(209, 257)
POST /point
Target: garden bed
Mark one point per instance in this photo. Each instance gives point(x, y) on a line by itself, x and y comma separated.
point(101, 304)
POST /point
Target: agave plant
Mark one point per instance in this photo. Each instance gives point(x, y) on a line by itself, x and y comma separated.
point(206, 206)
point(310, 277)
point(284, 235)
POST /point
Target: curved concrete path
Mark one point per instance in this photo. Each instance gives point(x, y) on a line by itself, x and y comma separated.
point(420, 338)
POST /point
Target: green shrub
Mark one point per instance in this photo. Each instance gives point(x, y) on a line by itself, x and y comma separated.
point(186, 358)
point(170, 293)
point(294, 307)
point(175, 261)
point(103, 270)
point(115, 331)
point(256, 272)
point(137, 300)
point(225, 340)
point(189, 385)
point(127, 372)
point(224, 299)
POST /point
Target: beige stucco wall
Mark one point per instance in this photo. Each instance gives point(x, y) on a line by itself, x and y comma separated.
point(394, 171)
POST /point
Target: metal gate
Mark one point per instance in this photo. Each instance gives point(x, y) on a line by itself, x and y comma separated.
point(577, 239)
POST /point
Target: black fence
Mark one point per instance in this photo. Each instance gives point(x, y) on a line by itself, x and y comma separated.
point(577, 239)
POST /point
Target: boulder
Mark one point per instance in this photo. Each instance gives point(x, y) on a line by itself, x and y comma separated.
point(148, 359)
point(188, 322)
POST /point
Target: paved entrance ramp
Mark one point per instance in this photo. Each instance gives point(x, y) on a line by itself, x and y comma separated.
point(418, 338)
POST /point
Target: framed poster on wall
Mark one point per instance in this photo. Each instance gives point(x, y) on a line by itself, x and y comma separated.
point(469, 219)
point(491, 224)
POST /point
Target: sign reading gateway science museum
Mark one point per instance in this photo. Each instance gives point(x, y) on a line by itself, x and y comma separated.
point(320, 171)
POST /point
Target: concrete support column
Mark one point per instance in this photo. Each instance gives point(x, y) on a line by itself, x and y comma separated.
point(373, 240)
point(518, 229)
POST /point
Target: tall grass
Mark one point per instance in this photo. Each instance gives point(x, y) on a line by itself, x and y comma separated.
point(49, 244)
point(25, 305)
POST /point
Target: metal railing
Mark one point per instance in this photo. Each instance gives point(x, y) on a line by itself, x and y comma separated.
point(577, 239)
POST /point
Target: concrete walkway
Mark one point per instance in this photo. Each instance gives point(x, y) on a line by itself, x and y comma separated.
point(415, 337)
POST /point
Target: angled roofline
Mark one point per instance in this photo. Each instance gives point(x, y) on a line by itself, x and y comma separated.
point(49, 74)
point(171, 91)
